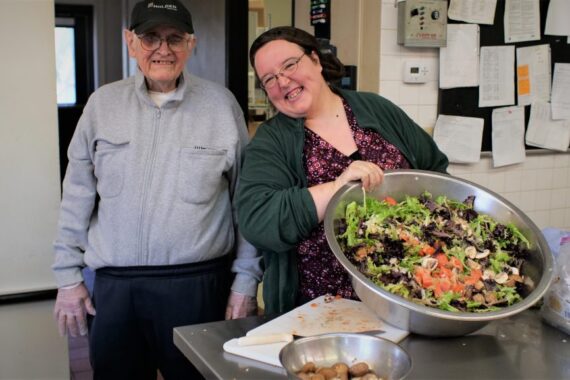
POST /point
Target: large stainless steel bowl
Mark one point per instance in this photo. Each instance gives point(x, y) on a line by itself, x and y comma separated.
point(385, 358)
point(419, 318)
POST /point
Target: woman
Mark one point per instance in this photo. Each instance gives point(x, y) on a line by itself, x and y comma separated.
point(322, 138)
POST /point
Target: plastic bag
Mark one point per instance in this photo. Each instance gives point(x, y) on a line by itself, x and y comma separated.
point(556, 307)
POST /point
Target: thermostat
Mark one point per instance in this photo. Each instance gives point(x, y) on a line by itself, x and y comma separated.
point(415, 72)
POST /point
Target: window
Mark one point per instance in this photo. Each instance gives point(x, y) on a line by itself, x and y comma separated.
point(65, 64)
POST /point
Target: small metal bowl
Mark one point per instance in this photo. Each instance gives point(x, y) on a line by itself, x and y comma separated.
point(387, 359)
point(421, 319)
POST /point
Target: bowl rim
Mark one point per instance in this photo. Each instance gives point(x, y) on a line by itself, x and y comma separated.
point(539, 290)
point(358, 336)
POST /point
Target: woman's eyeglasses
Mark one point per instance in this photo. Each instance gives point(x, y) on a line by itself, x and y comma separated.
point(288, 68)
point(174, 42)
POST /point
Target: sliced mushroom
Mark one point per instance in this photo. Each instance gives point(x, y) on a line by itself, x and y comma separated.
point(429, 263)
point(501, 278)
point(473, 264)
point(482, 255)
point(471, 252)
point(479, 298)
point(490, 297)
point(479, 285)
point(488, 275)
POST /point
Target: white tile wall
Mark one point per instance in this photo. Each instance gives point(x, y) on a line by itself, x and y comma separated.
point(540, 186)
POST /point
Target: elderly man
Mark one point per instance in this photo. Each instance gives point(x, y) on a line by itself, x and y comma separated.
point(153, 165)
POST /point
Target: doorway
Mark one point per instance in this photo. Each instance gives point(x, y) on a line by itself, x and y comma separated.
point(263, 15)
point(74, 66)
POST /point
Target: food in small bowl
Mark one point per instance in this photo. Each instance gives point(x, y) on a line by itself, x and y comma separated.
point(449, 317)
point(345, 356)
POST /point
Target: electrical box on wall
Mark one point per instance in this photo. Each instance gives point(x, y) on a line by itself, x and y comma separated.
point(422, 23)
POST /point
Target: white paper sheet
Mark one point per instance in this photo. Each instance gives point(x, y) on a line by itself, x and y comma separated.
point(533, 74)
point(508, 136)
point(459, 137)
point(561, 91)
point(459, 61)
point(522, 20)
point(478, 12)
point(557, 18)
point(543, 132)
point(497, 76)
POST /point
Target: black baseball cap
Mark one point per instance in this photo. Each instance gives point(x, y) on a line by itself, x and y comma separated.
point(150, 14)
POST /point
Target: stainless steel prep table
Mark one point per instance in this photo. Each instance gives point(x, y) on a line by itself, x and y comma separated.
point(519, 347)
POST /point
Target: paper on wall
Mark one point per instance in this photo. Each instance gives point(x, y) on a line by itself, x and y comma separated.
point(533, 74)
point(508, 136)
point(478, 12)
point(459, 61)
point(459, 137)
point(497, 76)
point(522, 20)
point(561, 91)
point(543, 132)
point(557, 18)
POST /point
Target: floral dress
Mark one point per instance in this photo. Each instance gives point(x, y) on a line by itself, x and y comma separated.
point(319, 271)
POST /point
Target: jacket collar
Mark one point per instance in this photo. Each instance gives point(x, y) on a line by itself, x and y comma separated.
point(142, 90)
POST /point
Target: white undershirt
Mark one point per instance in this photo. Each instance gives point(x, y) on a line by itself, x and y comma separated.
point(159, 98)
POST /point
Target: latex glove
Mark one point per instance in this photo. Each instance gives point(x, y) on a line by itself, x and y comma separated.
point(240, 306)
point(71, 306)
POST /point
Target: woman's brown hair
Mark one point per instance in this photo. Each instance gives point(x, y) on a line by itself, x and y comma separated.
point(333, 69)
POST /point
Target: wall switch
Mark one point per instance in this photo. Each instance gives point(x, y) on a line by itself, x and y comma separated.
point(415, 72)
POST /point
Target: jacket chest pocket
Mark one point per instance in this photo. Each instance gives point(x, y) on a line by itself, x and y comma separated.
point(110, 165)
point(200, 174)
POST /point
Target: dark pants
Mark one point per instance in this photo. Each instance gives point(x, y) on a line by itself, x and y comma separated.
point(137, 307)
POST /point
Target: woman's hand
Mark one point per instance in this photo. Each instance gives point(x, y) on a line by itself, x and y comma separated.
point(368, 173)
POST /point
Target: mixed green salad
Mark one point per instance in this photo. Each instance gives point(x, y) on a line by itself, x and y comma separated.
point(436, 251)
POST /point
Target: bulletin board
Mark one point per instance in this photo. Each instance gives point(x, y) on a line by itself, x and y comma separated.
point(465, 101)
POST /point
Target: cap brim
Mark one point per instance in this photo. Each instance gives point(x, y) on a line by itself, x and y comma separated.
point(151, 24)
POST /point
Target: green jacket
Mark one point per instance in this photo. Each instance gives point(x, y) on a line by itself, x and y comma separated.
point(275, 209)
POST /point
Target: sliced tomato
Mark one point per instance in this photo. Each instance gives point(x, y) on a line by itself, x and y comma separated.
point(456, 263)
point(391, 201)
point(444, 284)
point(444, 273)
point(427, 250)
point(442, 260)
point(457, 287)
point(423, 277)
point(408, 238)
point(475, 276)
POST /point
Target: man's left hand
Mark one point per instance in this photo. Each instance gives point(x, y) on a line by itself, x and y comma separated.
point(240, 306)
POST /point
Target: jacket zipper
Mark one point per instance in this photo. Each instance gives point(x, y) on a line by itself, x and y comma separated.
point(143, 248)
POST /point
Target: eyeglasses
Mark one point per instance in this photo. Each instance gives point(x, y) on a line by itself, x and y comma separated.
point(288, 68)
point(152, 42)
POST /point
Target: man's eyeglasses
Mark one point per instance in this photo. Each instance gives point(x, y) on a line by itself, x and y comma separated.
point(288, 68)
point(152, 42)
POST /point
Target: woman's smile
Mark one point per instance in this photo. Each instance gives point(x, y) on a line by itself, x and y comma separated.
point(292, 95)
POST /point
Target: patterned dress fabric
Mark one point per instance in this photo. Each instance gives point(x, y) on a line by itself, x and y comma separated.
point(319, 271)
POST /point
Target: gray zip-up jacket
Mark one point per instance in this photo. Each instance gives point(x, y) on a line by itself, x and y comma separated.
point(149, 185)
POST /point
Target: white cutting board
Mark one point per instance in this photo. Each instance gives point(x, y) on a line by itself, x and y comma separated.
point(314, 318)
